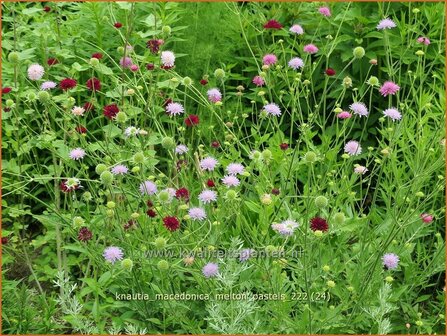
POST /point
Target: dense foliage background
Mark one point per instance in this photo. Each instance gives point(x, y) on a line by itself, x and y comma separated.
point(55, 283)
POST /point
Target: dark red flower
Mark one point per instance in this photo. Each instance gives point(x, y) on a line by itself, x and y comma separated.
point(154, 45)
point(150, 66)
point(67, 83)
point(318, 223)
point(52, 61)
point(151, 213)
point(97, 56)
point(84, 234)
point(192, 120)
point(149, 204)
point(203, 81)
point(6, 109)
point(129, 225)
point(215, 144)
point(47, 9)
point(273, 24)
point(283, 146)
point(171, 223)
point(166, 67)
point(63, 186)
point(88, 107)
point(110, 111)
point(6, 90)
point(330, 72)
point(183, 194)
point(118, 25)
point(275, 191)
point(167, 101)
point(4, 240)
point(210, 183)
point(81, 129)
point(93, 84)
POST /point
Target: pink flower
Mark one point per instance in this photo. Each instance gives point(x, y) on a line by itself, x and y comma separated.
point(235, 168)
point(77, 153)
point(35, 71)
point(174, 109)
point(393, 114)
point(119, 170)
point(344, 115)
point(134, 68)
point(167, 58)
point(208, 163)
point(113, 254)
point(426, 218)
point(386, 24)
point(258, 81)
point(353, 148)
point(197, 214)
point(310, 49)
point(325, 11)
point(423, 40)
point(126, 62)
point(230, 181)
point(272, 109)
point(78, 111)
point(389, 88)
point(214, 95)
point(360, 170)
point(296, 63)
point(269, 59)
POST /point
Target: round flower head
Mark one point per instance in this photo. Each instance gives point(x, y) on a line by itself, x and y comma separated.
point(390, 260)
point(423, 40)
point(353, 148)
point(296, 29)
point(67, 84)
point(344, 115)
point(325, 11)
point(113, 254)
point(214, 95)
point(77, 154)
point(359, 109)
point(48, 85)
point(319, 224)
point(426, 218)
point(285, 228)
point(389, 88)
point(35, 71)
point(78, 111)
point(167, 58)
point(126, 62)
point(296, 63)
point(148, 188)
point(174, 109)
point(245, 254)
point(360, 170)
point(197, 214)
point(192, 120)
point(208, 196)
point(119, 170)
point(210, 270)
point(310, 49)
point(131, 131)
point(93, 84)
point(258, 81)
point(269, 59)
point(386, 24)
point(235, 168)
point(393, 113)
point(208, 163)
point(171, 223)
point(181, 149)
point(272, 109)
point(273, 24)
point(230, 181)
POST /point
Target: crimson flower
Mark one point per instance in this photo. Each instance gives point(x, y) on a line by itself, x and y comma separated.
point(215, 144)
point(93, 84)
point(97, 56)
point(110, 111)
point(275, 191)
point(118, 25)
point(330, 72)
point(182, 193)
point(171, 223)
point(192, 120)
point(151, 213)
point(283, 146)
point(210, 183)
point(88, 107)
point(52, 61)
point(318, 223)
point(203, 81)
point(6, 90)
point(81, 129)
point(154, 45)
point(150, 66)
point(67, 83)
point(273, 24)
point(85, 234)
point(47, 9)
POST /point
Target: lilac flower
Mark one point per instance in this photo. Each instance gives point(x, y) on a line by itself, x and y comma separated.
point(126, 62)
point(235, 168)
point(393, 113)
point(174, 109)
point(167, 58)
point(48, 85)
point(285, 228)
point(361, 170)
point(258, 81)
point(272, 109)
point(77, 153)
point(214, 95)
point(296, 63)
point(230, 181)
point(113, 254)
point(210, 270)
point(353, 148)
point(181, 149)
point(386, 24)
point(325, 11)
point(208, 163)
point(310, 49)
point(119, 170)
point(359, 109)
point(245, 254)
point(389, 88)
point(148, 188)
point(197, 214)
point(390, 260)
point(296, 29)
point(35, 71)
point(208, 196)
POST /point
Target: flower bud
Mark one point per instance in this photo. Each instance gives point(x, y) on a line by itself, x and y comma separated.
point(160, 243)
point(310, 157)
point(219, 73)
point(163, 265)
point(339, 218)
point(43, 96)
point(94, 62)
point(330, 284)
point(127, 264)
point(166, 30)
point(321, 202)
point(106, 177)
point(121, 117)
point(167, 143)
point(359, 52)
point(100, 168)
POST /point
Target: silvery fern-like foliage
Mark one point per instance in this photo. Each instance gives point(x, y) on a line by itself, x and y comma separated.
point(131, 329)
point(378, 313)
